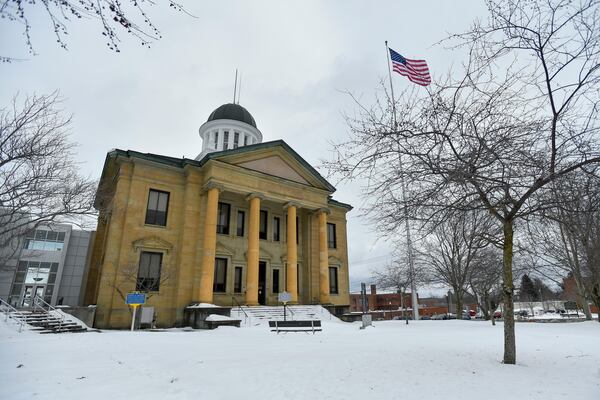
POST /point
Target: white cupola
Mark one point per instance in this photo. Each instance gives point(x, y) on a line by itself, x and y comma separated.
point(228, 127)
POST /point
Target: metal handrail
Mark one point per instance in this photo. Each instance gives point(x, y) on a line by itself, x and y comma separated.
point(246, 316)
point(37, 300)
point(10, 309)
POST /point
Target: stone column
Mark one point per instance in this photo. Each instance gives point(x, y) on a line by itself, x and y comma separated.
point(323, 257)
point(292, 252)
point(253, 250)
point(207, 268)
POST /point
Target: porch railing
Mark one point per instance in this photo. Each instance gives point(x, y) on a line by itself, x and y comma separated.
point(11, 312)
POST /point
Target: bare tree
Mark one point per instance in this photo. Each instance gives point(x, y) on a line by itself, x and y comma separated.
point(449, 251)
point(523, 114)
point(129, 16)
point(485, 281)
point(398, 276)
point(128, 280)
point(39, 180)
point(576, 219)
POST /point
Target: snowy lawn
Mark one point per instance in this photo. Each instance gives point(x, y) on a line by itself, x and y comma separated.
point(424, 360)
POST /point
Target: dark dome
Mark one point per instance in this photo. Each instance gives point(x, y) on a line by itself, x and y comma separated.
point(232, 111)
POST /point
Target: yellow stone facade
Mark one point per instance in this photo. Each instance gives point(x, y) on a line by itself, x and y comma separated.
point(267, 177)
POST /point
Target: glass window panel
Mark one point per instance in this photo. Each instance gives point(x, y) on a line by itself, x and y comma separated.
point(30, 234)
point(54, 267)
point(34, 264)
point(149, 271)
point(333, 280)
point(331, 236)
point(216, 144)
point(49, 290)
point(45, 265)
point(61, 237)
point(241, 218)
point(163, 199)
point(263, 224)
point(37, 275)
point(22, 266)
point(52, 235)
point(40, 235)
point(276, 227)
point(20, 276)
point(226, 140)
point(223, 218)
point(153, 200)
point(237, 286)
point(275, 281)
point(16, 290)
point(38, 245)
point(156, 211)
point(220, 278)
point(51, 278)
point(236, 139)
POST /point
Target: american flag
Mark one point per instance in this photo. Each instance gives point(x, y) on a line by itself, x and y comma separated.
point(415, 70)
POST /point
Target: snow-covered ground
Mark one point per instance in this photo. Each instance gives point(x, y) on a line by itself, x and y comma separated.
point(424, 360)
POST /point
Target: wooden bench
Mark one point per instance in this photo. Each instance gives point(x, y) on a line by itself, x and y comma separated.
point(295, 326)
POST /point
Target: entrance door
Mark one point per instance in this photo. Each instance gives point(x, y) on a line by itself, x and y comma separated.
point(262, 283)
point(30, 292)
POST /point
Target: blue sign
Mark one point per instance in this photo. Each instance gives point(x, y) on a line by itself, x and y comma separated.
point(135, 298)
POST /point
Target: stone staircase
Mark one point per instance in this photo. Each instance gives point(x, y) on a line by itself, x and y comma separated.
point(41, 318)
point(261, 315)
point(43, 321)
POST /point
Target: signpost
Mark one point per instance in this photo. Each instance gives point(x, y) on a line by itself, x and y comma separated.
point(284, 297)
point(135, 300)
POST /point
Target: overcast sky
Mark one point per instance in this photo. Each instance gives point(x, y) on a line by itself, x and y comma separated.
point(295, 59)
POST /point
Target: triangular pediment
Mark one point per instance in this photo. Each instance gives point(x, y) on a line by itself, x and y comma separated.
point(275, 159)
point(276, 166)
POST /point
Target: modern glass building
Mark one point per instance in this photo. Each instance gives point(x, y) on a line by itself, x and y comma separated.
point(50, 262)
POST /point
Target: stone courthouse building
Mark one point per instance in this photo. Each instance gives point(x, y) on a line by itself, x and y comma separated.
point(242, 222)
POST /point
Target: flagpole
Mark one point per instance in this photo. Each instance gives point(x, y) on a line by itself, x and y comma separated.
point(411, 265)
point(387, 51)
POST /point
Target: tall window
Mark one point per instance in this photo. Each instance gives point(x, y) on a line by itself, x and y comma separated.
point(262, 232)
point(237, 281)
point(148, 279)
point(236, 139)
point(241, 219)
point(333, 280)
point(223, 218)
point(276, 228)
point(245, 140)
point(225, 140)
point(216, 144)
point(275, 281)
point(156, 212)
point(331, 238)
point(220, 282)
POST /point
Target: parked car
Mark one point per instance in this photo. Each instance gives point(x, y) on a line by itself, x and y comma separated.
point(425, 317)
point(498, 314)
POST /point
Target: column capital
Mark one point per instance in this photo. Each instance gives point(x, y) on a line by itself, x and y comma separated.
point(213, 185)
point(255, 195)
point(291, 204)
point(323, 210)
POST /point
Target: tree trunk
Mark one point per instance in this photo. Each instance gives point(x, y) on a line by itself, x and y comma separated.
point(510, 351)
point(459, 304)
point(582, 298)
